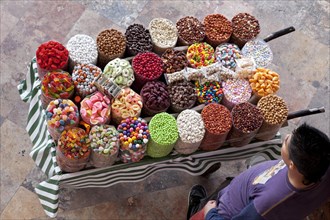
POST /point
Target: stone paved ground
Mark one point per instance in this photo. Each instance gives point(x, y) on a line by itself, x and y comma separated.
point(301, 58)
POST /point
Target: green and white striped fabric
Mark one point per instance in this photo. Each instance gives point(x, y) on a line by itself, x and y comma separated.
point(43, 153)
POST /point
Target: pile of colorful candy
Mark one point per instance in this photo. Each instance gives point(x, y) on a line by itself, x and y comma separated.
point(73, 150)
point(104, 145)
point(61, 114)
point(200, 54)
point(56, 85)
point(209, 92)
point(133, 136)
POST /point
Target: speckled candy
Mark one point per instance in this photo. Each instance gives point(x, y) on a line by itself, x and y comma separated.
point(163, 135)
point(104, 145)
point(235, 91)
point(83, 76)
point(61, 114)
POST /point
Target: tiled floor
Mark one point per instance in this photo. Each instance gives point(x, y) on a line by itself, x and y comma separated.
point(301, 58)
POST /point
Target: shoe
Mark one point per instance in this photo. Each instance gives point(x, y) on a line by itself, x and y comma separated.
point(196, 194)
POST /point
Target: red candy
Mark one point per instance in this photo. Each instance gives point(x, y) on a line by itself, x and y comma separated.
point(148, 65)
point(52, 55)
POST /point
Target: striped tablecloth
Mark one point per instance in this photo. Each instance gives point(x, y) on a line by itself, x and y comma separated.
point(43, 153)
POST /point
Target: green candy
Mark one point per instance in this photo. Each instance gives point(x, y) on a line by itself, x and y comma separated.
point(163, 135)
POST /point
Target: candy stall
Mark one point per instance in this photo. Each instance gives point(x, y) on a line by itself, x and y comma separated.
point(181, 95)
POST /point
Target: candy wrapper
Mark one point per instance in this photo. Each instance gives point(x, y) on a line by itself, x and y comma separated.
point(73, 150)
point(175, 77)
point(133, 136)
point(104, 145)
point(119, 71)
point(127, 104)
point(107, 86)
point(56, 84)
point(95, 109)
point(245, 67)
point(61, 115)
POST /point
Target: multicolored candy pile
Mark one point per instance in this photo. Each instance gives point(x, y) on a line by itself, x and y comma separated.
point(133, 136)
point(74, 143)
point(56, 84)
point(209, 92)
point(200, 54)
point(61, 114)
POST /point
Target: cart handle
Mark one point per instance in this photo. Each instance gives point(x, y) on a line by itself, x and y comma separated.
point(305, 112)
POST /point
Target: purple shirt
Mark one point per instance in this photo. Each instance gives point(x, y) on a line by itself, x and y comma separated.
point(273, 196)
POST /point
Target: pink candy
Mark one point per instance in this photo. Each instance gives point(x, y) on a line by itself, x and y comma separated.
point(95, 109)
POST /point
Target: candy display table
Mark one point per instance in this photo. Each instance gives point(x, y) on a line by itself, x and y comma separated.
point(43, 153)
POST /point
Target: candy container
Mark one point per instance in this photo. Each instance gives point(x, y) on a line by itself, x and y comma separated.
point(190, 31)
point(164, 34)
point(218, 29)
point(209, 92)
point(235, 91)
point(263, 82)
point(200, 54)
point(61, 114)
point(51, 55)
point(133, 137)
point(247, 119)
point(95, 109)
point(191, 131)
point(245, 28)
point(275, 112)
point(226, 54)
point(217, 121)
point(138, 39)
point(182, 95)
point(147, 67)
point(155, 98)
point(127, 104)
point(119, 71)
point(104, 144)
point(83, 76)
point(82, 49)
point(163, 135)
point(73, 150)
point(56, 84)
point(174, 61)
point(111, 44)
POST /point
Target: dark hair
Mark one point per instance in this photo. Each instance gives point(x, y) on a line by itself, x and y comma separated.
point(309, 149)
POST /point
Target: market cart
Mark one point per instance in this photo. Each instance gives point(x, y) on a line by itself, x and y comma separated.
point(43, 153)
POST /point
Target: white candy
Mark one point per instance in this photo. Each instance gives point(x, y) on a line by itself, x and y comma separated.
point(82, 49)
point(190, 126)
